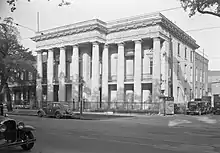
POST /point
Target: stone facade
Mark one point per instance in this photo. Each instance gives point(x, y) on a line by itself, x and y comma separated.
point(127, 60)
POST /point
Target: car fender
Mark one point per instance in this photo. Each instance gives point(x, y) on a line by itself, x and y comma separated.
point(42, 111)
point(28, 128)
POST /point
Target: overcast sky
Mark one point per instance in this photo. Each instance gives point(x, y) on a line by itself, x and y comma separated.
point(51, 15)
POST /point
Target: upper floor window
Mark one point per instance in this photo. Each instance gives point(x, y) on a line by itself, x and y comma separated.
point(151, 66)
point(191, 56)
point(178, 49)
point(178, 70)
point(185, 53)
point(196, 74)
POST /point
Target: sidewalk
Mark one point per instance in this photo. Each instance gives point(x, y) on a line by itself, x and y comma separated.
point(29, 112)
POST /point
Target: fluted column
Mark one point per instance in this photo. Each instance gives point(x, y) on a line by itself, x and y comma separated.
point(120, 73)
point(95, 72)
point(156, 70)
point(50, 75)
point(137, 73)
point(105, 64)
point(75, 74)
point(62, 74)
point(39, 78)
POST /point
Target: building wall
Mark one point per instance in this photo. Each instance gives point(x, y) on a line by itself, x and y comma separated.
point(213, 82)
point(183, 71)
point(201, 76)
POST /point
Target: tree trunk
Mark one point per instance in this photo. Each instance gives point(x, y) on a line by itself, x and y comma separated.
point(8, 96)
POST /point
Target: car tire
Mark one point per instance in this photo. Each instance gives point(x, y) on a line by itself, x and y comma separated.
point(40, 114)
point(27, 136)
point(57, 115)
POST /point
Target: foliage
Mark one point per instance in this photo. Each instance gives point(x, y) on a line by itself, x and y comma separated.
point(202, 6)
point(14, 58)
point(12, 3)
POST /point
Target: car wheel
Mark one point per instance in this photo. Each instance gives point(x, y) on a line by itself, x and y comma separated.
point(28, 136)
point(58, 115)
point(40, 114)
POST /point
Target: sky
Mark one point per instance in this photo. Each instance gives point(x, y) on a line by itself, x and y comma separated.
point(51, 15)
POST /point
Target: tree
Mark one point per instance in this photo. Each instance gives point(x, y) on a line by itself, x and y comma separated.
point(12, 3)
point(14, 59)
point(211, 7)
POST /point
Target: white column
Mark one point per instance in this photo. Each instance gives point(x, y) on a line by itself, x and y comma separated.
point(95, 72)
point(39, 78)
point(50, 75)
point(62, 74)
point(105, 64)
point(156, 70)
point(137, 73)
point(164, 67)
point(120, 73)
point(75, 74)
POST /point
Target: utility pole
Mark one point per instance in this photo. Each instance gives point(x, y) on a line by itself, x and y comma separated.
point(38, 21)
point(203, 71)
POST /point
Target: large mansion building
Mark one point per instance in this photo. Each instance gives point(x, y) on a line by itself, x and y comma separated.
point(134, 60)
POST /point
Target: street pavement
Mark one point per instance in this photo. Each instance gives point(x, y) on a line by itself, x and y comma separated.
point(153, 134)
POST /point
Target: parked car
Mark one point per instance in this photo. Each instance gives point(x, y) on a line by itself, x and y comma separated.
point(55, 109)
point(199, 107)
point(15, 133)
point(216, 108)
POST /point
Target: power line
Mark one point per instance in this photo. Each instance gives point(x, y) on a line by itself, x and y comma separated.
point(201, 29)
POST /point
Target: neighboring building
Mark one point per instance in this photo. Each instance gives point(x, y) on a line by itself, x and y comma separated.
point(201, 76)
point(213, 82)
point(24, 91)
point(127, 60)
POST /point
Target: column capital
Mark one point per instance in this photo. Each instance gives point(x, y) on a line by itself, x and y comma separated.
point(51, 49)
point(156, 38)
point(75, 46)
point(95, 43)
point(121, 44)
point(63, 47)
point(106, 45)
point(40, 51)
point(137, 41)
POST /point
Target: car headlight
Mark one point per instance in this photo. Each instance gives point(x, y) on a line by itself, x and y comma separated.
point(20, 125)
point(2, 128)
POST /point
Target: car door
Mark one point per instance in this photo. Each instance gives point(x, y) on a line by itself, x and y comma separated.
point(50, 109)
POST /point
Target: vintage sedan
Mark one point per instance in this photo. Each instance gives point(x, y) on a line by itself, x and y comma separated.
point(198, 107)
point(15, 133)
point(56, 109)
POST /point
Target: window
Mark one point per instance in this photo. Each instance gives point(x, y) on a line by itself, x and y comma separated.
point(178, 70)
point(201, 79)
point(196, 74)
point(191, 76)
point(185, 93)
point(185, 53)
point(151, 66)
point(178, 90)
point(178, 49)
point(191, 56)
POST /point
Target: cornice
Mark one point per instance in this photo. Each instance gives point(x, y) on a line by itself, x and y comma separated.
point(120, 25)
point(72, 31)
point(178, 33)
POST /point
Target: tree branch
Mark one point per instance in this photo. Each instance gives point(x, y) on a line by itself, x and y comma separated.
point(207, 12)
